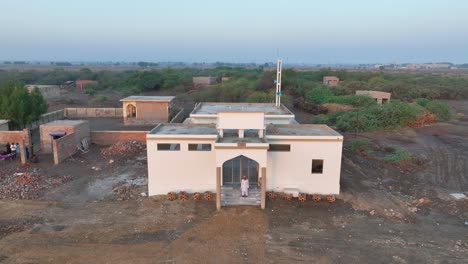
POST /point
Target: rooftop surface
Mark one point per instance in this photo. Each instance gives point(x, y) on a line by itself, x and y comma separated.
point(3, 121)
point(213, 108)
point(184, 129)
point(301, 130)
point(65, 123)
point(241, 140)
point(148, 98)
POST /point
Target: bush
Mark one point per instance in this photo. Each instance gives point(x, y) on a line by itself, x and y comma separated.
point(354, 100)
point(319, 95)
point(398, 155)
point(440, 109)
point(393, 115)
point(422, 101)
point(98, 99)
point(358, 145)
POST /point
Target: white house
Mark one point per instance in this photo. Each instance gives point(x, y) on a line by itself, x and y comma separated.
point(221, 142)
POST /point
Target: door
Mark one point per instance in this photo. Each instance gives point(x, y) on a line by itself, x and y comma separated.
point(235, 168)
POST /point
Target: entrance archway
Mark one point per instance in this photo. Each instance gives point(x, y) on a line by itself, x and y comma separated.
point(235, 168)
point(131, 111)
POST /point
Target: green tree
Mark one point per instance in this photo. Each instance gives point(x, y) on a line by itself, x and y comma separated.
point(19, 106)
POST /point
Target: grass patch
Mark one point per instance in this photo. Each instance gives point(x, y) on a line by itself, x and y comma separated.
point(358, 145)
point(398, 155)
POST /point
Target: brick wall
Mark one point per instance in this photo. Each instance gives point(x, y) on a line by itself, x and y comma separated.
point(21, 137)
point(112, 137)
point(64, 147)
point(93, 112)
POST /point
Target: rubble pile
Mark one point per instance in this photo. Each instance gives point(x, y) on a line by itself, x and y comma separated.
point(126, 191)
point(28, 185)
point(122, 148)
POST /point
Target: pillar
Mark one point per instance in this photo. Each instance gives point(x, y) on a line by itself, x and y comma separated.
point(22, 152)
point(241, 133)
point(218, 188)
point(263, 190)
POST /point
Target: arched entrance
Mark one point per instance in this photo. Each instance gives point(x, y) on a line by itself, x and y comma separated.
point(237, 167)
point(131, 111)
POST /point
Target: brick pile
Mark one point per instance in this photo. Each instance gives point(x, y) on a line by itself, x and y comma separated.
point(28, 185)
point(122, 148)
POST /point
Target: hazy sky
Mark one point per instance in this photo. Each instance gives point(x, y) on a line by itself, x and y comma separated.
point(331, 31)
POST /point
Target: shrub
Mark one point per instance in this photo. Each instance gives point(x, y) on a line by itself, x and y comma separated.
point(319, 95)
point(398, 155)
point(422, 101)
point(68, 101)
point(354, 100)
point(440, 109)
point(358, 145)
point(98, 99)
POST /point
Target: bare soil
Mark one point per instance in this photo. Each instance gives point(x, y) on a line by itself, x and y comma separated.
point(386, 213)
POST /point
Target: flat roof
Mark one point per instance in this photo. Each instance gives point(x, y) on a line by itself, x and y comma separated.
point(213, 108)
point(65, 123)
point(148, 98)
point(300, 130)
point(184, 129)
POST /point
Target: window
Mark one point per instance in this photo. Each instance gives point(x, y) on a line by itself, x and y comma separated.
point(279, 147)
point(199, 147)
point(169, 147)
point(317, 166)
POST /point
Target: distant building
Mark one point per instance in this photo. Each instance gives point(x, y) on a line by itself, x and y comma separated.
point(203, 80)
point(225, 79)
point(80, 84)
point(429, 66)
point(146, 110)
point(4, 125)
point(380, 97)
point(331, 80)
point(47, 91)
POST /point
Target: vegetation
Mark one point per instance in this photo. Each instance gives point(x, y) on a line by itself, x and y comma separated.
point(358, 145)
point(440, 109)
point(19, 106)
point(398, 155)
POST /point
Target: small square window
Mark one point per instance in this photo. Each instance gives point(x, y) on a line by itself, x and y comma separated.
point(317, 166)
point(169, 147)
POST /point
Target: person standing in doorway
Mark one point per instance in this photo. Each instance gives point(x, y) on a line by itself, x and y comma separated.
point(244, 186)
point(13, 149)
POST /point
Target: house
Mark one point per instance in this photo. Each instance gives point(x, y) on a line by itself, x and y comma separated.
point(331, 80)
point(81, 84)
point(380, 97)
point(220, 142)
point(203, 81)
point(47, 91)
point(54, 130)
point(4, 125)
point(146, 110)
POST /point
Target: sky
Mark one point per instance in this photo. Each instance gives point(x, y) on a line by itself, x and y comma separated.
point(299, 31)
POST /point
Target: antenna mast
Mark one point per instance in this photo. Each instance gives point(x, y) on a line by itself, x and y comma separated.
point(278, 82)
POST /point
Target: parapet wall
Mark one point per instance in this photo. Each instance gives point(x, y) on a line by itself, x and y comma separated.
point(64, 147)
point(92, 112)
point(112, 137)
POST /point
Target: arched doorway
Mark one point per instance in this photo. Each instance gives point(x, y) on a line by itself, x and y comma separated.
point(237, 167)
point(131, 111)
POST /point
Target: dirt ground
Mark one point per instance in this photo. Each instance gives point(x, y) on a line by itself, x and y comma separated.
point(385, 214)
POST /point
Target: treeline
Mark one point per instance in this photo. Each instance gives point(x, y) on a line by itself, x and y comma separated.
point(295, 83)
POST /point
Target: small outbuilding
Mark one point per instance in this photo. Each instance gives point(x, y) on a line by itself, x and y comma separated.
point(331, 80)
point(60, 128)
point(203, 80)
point(380, 97)
point(146, 110)
point(4, 125)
